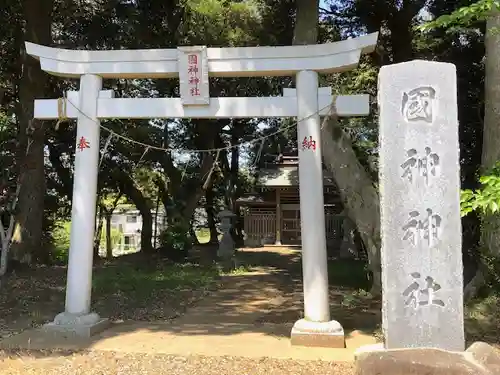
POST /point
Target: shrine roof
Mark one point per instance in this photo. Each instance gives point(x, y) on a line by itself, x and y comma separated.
point(287, 175)
point(251, 198)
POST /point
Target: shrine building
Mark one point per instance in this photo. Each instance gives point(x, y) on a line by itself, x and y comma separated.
point(271, 215)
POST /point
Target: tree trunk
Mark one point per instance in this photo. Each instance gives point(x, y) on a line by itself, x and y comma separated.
point(400, 26)
point(64, 174)
point(235, 164)
point(490, 234)
point(147, 226)
point(187, 194)
point(210, 210)
point(33, 82)
point(109, 247)
point(155, 235)
point(7, 222)
point(306, 22)
point(194, 198)
point(357, 191)
point(193, 235)
point(235, 167)
point(472, 288)
point(98, 232)
point(356, 188)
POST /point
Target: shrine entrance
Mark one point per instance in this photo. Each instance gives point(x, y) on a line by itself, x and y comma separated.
point(194, 66)
point(290, 224)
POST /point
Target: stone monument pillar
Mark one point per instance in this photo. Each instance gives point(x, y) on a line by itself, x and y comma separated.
point(420, 206)
point(348, 248)
point(227, 247)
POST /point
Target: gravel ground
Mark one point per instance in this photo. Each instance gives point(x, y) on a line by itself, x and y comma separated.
point(109, 363)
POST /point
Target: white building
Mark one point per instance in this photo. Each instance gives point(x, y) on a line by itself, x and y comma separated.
point(128, 221)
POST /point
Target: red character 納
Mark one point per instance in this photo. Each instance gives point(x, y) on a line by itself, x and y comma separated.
point(308, 144)
point(305, 144)
point(312, 143)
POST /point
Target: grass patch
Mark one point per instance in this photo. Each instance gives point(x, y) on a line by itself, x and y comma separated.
point(149, 293)
point(482, 319)
point(240, 270)
point(131, 279)
point(356, 299)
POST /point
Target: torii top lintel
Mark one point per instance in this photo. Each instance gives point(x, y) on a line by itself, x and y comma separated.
point(222, 62)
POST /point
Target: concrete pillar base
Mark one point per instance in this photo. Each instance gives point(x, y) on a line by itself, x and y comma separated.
point(318, 334)
point(80, 325)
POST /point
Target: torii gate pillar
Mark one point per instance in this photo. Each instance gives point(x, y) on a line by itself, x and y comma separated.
point(316, 329)
point(77, 313)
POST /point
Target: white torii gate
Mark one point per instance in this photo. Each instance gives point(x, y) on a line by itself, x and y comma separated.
point(194, 66)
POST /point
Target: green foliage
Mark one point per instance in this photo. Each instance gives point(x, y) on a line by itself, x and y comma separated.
point(146, 179)
point(363, 132)
point(485, 200)
point(116, 238)
point(225, 22)
point(203, 235)
point(482, 319)
point(112, 200)
point(461, 17)
point(175, 241)
point(8, 176)
point(60, 242)
point(348, 273)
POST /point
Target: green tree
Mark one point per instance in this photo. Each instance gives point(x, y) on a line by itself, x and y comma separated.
point(31, 83)
point(107, 206)
point(354, 143)
point(463, 17)
point(110, 240)
point(483, 200)
point(61, 241)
